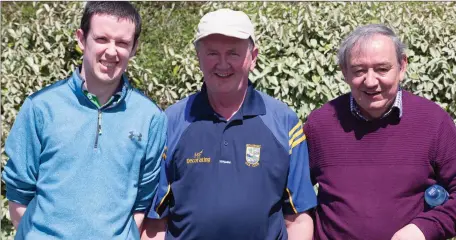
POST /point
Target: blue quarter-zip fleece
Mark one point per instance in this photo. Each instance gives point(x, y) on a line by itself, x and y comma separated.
point(79, 182)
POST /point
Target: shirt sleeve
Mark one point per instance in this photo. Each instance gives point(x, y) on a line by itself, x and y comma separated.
point(160, 204)
point(23, 147)
point(299, 195)
point(440, 222)
point(150, 167)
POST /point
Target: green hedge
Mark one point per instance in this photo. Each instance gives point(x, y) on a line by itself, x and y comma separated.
point(298, 42)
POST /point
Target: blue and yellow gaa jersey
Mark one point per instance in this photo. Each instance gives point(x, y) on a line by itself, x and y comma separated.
point(233, 179)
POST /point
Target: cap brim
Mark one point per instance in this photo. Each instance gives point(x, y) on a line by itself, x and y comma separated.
point(235, 34)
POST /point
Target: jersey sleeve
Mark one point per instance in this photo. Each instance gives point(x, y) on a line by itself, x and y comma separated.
point(177, 115)
point(299, 193)
point(160, 203)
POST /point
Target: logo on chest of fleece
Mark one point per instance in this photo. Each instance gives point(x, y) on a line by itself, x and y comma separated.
point(135, 136)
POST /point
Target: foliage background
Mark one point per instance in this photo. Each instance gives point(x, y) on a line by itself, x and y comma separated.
point(298, 42)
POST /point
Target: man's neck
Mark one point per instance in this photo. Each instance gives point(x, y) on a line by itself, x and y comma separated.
point(103, 91)
point(227, 104)
point(375, 115)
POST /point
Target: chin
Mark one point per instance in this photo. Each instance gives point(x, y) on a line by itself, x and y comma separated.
point(109, 79)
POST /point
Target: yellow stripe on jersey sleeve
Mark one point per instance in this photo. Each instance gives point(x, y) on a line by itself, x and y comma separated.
point(296, 135)
point(298, 141)
point(164, 153)
point(299, 124)
point(299, 133)
point(291, 201)
point(163, 199)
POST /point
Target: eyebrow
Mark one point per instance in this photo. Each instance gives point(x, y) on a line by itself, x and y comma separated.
point(375, 65)
point(122, 39)
point(216, 50)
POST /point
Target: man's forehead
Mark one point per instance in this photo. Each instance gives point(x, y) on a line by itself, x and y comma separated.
point(99, 28)
point(119, 19)
point(223, 42)
point(375, 46)
point(108, 17)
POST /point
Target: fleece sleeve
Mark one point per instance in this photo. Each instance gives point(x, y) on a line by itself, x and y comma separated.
point(23, 147)
point(150, 167)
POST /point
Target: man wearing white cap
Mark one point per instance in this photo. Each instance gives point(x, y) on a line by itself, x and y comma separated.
point(237, 164)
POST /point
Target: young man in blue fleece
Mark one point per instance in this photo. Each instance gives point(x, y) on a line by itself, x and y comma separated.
point(84, 153)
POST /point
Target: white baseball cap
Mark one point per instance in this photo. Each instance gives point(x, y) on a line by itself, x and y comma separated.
point(226, 22)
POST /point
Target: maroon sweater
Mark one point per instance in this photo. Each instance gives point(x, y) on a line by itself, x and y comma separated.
point(372, 175)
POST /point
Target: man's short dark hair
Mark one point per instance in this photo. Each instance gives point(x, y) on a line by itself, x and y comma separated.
point(118, 9)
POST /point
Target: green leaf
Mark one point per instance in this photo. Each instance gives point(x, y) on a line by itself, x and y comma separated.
point(46, 6)
point(12, 33)
point(313, 42)
point(273, 80)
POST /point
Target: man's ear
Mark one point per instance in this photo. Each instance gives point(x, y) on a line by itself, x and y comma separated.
point(135, 48)
point(403, 69)
point(344, 72)
point(254, 58)
point(199, 59)
point(80, 38)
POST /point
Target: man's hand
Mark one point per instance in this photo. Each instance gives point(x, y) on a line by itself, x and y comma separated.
point(16, 212)
point(154, 229)
point(139, 217)
point(299, 226)
point(409, 232)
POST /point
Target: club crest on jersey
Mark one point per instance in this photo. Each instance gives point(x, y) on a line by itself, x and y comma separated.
point(252, 155)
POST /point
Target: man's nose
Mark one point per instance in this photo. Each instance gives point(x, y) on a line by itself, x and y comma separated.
point(223, 63)
point(371, 80)
point(111, 50)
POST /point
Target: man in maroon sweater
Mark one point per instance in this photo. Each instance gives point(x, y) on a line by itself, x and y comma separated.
point(374, 151)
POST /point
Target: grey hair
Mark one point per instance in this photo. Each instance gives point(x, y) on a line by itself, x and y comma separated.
point(363, 33)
